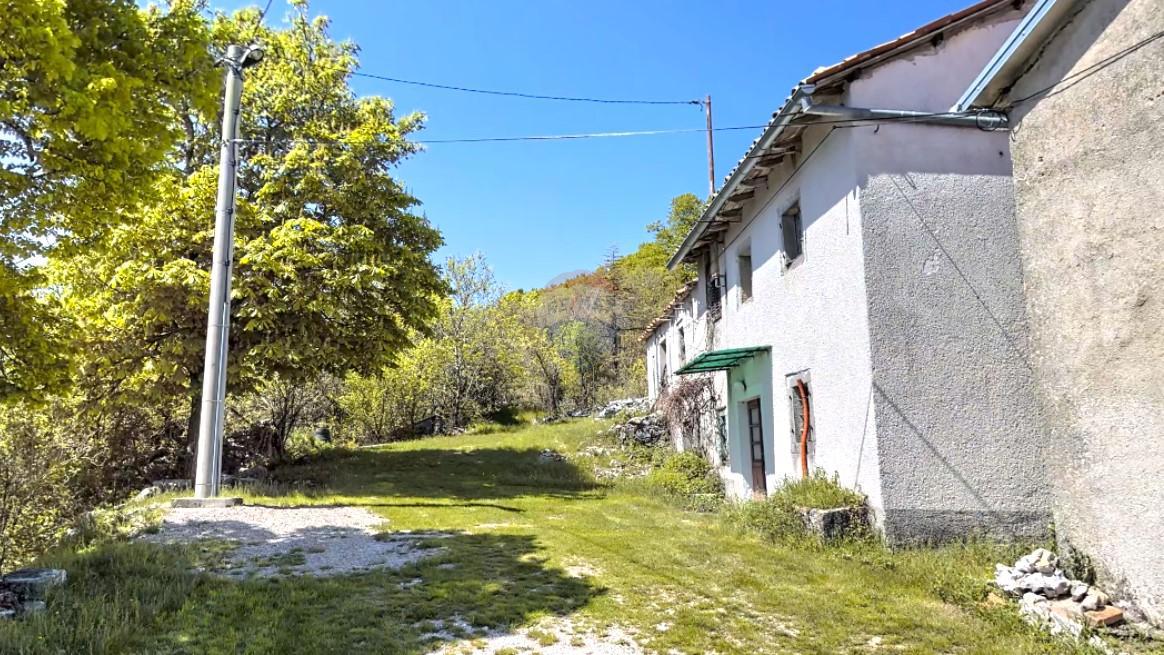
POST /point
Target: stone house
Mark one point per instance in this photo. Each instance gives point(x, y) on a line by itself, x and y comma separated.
point(859, 302)
point(1083, 85)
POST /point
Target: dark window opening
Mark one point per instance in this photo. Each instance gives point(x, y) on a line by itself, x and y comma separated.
point(745, 270)
point(662, 365)
point(712, 283)
point(682, 346)
point(793, 231)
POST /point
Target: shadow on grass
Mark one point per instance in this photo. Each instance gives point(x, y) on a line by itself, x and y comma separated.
point(486, 473)
point(145, 598)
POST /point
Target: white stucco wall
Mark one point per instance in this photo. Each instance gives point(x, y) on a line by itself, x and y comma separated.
point(871, 312)
point(932, 78)
point(812, 315)
point(958, 425)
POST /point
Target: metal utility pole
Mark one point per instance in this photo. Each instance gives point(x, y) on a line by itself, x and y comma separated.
point(710, 148)
point(208, 474)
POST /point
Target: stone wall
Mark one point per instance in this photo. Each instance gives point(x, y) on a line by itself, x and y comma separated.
point(1089, 183)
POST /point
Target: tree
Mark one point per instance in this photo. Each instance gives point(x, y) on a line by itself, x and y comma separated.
point(685, 212)
point(333, 272)
point(89, 95)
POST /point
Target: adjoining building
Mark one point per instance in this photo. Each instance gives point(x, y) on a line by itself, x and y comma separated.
point(1083, 85)
point(860, 293)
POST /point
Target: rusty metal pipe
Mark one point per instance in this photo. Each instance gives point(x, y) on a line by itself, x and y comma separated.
point(802, 390)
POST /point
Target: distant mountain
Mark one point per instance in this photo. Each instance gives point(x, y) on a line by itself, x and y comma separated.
point(565, 277)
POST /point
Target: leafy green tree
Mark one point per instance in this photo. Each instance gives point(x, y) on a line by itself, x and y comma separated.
point(685, 212)
point(90, 92)
point(585, 349)
point(332, 262)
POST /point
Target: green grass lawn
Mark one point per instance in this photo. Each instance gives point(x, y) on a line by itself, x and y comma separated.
point(528, 541)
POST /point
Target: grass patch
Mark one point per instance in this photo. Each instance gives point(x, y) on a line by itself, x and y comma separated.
point(778, 518)
point(509, 526)
point(688, 479)
point(818, 491)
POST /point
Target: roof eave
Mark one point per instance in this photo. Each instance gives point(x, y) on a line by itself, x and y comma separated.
point(771, 133)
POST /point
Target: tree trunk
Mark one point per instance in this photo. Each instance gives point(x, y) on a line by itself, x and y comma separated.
point(192, 421)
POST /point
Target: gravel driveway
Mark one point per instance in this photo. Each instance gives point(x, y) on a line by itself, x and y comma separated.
point(320, 541)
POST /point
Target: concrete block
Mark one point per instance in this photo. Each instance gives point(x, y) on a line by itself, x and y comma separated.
point(205, 503)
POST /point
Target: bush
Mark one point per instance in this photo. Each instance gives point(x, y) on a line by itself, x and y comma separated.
point(689, 478)
point(818, 491)
point(777, 518)
point(40, 480)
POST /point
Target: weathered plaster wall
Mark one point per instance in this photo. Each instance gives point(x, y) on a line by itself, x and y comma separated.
point(1089, 181)
point(932, 77)
point(813, 317)
point(958, 428)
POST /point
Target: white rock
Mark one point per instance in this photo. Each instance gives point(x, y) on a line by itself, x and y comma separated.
point(1034, 605)
point(1049, 586)
point(1007, 579)
point(1047, 562)
point(1079, 590)
point(1026, 563)
point(146, 493)
point(1094, 600)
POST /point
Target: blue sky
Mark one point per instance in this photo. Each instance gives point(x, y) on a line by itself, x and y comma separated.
point(538, 209)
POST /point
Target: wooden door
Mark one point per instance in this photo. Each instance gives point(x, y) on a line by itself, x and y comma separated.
point(756, 443)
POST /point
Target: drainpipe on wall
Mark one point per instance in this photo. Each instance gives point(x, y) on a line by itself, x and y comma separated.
point(983, 120)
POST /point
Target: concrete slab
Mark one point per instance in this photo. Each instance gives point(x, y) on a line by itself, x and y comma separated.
point(205, 503)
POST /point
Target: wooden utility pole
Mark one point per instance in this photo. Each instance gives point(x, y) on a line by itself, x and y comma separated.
point(710, 148)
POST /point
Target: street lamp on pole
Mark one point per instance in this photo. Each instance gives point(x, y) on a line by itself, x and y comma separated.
point(208, 471)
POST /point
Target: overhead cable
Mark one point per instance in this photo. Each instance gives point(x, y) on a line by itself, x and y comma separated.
point(530, 96)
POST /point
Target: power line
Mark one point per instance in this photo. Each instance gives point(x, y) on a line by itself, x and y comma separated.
point(530, 96)
point(1078, 76)
point(843, 122)
point(263, 13)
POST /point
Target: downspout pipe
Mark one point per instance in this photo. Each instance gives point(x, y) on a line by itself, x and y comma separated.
point(983, 120)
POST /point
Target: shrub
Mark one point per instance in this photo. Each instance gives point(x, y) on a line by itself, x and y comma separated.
point(818, 491)
point(778, 517)
point(40, 480)
point(689, 478)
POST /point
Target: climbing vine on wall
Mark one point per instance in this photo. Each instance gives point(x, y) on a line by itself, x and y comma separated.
point(689, 406)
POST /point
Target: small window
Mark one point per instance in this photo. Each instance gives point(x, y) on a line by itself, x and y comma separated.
point(663, 372)
point(800, 408)
point(793, 231)
point(745, 266)
point(682, 346)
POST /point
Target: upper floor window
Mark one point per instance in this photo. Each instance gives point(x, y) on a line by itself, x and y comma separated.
point(682, 346)
point(793, 230)
point(744, 264)
point(712, 283)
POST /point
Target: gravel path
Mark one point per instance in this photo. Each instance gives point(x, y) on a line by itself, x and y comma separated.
point(320, 541)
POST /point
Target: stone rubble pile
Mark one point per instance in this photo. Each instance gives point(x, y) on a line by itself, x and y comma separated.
point(24, 592)
point(1047, 596)
point(615, 407)
point(646, 430)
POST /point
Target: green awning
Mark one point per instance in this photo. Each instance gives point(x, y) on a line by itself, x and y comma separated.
point(720, 360)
